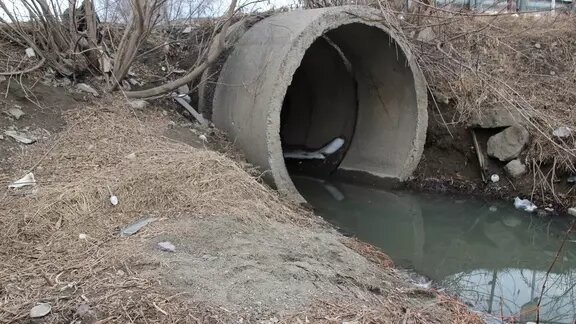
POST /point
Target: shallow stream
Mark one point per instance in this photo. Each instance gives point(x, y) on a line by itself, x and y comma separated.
point(491, 256)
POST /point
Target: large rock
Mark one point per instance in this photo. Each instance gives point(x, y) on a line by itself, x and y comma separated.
point(509, 143)
point(494, 118)
point(515, 168)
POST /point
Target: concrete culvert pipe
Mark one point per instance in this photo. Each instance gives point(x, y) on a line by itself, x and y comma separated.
point(333, 77)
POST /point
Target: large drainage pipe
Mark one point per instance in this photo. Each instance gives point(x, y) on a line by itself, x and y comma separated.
point(298, 80)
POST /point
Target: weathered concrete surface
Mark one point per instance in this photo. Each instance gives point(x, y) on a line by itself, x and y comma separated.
point(390, 111)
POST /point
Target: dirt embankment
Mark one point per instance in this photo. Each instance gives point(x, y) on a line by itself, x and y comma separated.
point(241, 253)
point(488, 73)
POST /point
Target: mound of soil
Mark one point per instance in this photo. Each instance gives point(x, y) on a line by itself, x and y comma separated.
point(242, 254)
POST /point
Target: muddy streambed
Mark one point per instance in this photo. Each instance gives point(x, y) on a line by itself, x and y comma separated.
point(493, 257)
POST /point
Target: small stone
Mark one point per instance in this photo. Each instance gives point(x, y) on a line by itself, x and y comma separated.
point(86, 88)
point(572, 211)
point(40, 310)
point(131, 156)
point(537, 45)
point(494, 118)
point(515, 168)
point(167, 246)
point(2, 78)
point(187, 30)
point(138, 104)
point(562, 132)
point(426, 35)
point(15, 112)
point(493, 209)
point(552, 73)
point(508, 144)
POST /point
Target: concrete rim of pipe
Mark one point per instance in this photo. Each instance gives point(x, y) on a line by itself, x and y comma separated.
point(391, 118)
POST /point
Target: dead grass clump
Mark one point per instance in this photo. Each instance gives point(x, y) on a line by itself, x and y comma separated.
point(524, 64)
point(105, 151)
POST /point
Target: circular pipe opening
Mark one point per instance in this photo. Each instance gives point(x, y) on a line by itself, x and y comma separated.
point(298, 81)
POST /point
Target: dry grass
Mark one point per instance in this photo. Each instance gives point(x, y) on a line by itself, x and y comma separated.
point(42, 257)
point(524, 64)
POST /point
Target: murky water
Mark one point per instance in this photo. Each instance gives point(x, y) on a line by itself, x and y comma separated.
point(492, 256)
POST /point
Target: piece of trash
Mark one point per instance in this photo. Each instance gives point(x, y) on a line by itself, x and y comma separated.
point(15, 112)
point(320, 154)
point(167, 246)
point(562, 132)
point(425, 285)
point(537, 45)
point(86, 88)
point(571, 179)
point(572, 211)
point(19, 137)
point(30, 52)
point(494, 178)
point(333, 146)
point(114, 200)
point(27, 180)
point(131, 156)
point(524, 204)
point(493, 209)
point(40, 310)
point(203, 138)
point(82, 236)
point(135, 227)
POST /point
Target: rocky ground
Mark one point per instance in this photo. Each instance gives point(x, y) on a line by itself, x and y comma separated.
point(217, 246)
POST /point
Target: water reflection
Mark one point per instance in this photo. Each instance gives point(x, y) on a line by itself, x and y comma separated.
point(494, 257)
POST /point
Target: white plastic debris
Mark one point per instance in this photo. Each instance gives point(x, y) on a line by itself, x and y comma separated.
point(572, 211)
point(30, 52)
point(82, 236)
point(27, 180)
point(562, 132)
point(424, 285)
point(493, 209)
point(333, 146)
point(494, 178)
point(203, 138)
point(320, 154)
point(19, 137)
point(135, 227)
point(167, 246)
point(114, 200)
point(40, 310)
point(131, 156)
point(524, 204)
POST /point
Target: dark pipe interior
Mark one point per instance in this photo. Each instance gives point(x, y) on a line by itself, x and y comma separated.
point(320, 105)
